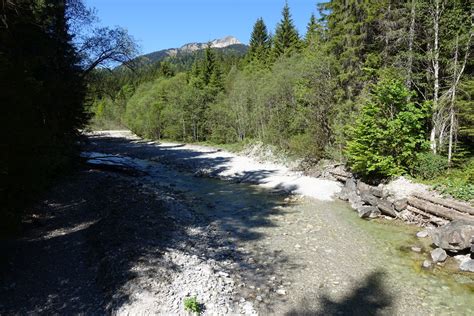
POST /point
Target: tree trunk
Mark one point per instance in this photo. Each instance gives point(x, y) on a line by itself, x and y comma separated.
point(411, 38)
point(436, 18)
point(453, 98)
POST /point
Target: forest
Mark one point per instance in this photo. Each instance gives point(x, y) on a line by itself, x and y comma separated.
point(48, 50)
point(226, 178)
point(384, 86)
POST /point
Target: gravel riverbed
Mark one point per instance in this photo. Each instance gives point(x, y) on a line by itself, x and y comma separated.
point(180, 221)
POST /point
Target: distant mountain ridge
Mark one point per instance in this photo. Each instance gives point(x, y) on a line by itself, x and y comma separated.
point(225, 43)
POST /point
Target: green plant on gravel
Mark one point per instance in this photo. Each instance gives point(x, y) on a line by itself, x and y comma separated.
point(191, 304)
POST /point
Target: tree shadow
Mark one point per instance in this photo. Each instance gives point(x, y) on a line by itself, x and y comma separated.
point(369, 298)
point(117, 222)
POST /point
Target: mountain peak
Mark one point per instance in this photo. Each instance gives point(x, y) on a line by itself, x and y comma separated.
point(220, 44)
point(216, 43)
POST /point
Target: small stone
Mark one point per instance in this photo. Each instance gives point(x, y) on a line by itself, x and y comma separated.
point(439, 255)
point(259, 298)
point(297, 246)
point(281, 292)
point(467, 265)
point(426, 264)
point(422, 234)
point(416, 249)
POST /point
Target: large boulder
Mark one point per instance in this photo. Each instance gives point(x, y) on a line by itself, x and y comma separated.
point(454, 236)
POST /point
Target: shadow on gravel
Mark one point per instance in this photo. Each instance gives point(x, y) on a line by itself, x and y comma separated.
point(370, 298)
point(146, 150)
point(88, 269)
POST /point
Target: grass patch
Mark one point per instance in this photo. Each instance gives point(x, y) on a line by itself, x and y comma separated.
point(191, 304)
point(455, 182)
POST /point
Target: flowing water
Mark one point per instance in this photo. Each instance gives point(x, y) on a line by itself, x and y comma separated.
point(301, 255)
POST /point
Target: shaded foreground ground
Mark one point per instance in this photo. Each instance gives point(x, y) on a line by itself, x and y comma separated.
point(108, 241)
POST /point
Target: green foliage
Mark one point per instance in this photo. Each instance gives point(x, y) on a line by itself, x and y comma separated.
point(458, 183)
point(191, 304)
point(388, 132)
point(356, 66)
point(260, 44)
point(286, 40)
point(428, 165)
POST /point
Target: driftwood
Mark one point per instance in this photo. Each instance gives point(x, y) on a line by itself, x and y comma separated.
point(437, 210)
point(431, 218)
point(450, 204)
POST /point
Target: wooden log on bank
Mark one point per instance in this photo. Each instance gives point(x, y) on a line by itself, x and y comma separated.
point(437, 210)
point(431, 218)
point(447, 203)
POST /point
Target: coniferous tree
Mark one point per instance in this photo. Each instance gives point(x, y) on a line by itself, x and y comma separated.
point(259, 43)
point(286, 40)
point(314, 32)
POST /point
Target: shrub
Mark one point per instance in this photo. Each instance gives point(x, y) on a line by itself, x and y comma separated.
point(458, 183)
point(388, 132)
point(428, 166)
point(191, 304)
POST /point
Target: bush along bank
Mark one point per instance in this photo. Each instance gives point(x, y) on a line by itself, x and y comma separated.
point(449, 223)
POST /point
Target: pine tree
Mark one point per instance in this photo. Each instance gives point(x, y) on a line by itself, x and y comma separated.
point(259, 43)
point(314, 32)
point(286, 40)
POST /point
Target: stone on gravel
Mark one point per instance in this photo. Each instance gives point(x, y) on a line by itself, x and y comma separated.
point(439, 255)
point(454, 236)
point(416, 249)
point(281, 292)
point(368, 211)
point(422, 234)
point(467, 265)
point(426, 264)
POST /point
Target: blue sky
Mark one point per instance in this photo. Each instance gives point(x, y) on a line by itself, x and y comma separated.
point(159, 24)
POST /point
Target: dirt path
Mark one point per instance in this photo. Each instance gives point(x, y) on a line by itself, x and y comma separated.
point(112, 240)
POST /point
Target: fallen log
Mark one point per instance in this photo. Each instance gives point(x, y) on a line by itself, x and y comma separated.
point(340, 178)
point(437, 210)
point(431, 218)
point(450, 204)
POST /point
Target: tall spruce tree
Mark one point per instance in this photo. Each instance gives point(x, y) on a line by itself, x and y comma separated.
point(314, 32)
point(286, 39)
point(259, 43)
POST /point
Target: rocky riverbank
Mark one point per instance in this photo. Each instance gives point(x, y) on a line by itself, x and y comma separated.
point(449, 223)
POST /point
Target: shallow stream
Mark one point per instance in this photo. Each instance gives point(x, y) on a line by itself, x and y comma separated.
point(301, 255)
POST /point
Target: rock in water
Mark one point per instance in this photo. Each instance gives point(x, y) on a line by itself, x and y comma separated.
point(422, 234)
point(454, 236)
point(439, 255)
point(426, 264)
point(467, 265)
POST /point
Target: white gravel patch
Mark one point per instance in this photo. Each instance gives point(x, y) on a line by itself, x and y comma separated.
point(247, 169)
point(402, 188)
